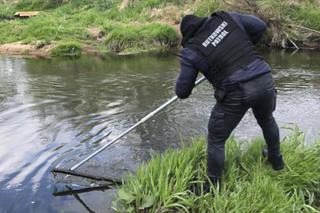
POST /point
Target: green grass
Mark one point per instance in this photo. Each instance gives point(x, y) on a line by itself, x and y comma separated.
point(69, 49)
point(69, 22)
point(308, 16)
point(249, 183)
point(140, 25)
point(124, 37)
point(207, 7)
point(306, 13)
point(37, 4)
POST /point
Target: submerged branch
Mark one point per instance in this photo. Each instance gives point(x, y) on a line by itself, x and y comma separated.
point(85, 175)
point(70, 191)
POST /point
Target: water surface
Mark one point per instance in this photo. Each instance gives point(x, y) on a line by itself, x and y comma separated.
point(53, 110)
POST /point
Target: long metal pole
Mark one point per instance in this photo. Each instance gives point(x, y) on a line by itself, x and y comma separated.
point(144, 119)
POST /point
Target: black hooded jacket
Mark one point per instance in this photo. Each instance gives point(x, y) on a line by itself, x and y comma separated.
point(192, 62)
point(189, 25)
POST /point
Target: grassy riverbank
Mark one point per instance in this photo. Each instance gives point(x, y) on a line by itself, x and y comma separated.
point(129, 26)
point(249, 185)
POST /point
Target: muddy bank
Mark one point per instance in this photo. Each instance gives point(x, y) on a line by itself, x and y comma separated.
point(20, 49)
point(33, 51)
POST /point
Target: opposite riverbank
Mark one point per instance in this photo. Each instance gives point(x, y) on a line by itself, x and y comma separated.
point(75, 27)
point(249, 184)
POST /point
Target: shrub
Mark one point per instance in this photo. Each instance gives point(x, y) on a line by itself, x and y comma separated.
point(308, 16)
point(143, 36)
point(70, 49)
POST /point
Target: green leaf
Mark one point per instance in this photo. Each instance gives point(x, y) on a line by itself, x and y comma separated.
point(123, 195)
point(130, 209)
point(147, 202)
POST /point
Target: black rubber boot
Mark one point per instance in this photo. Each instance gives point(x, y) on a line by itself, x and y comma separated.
point(275, 161)
point(204, 188)
point(201, 188)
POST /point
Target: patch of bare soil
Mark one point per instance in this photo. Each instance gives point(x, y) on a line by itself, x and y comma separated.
point(33, 51)
point(18, 48)
point(91, 50)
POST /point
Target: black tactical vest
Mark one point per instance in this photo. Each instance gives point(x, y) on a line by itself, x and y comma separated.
point(224, 44)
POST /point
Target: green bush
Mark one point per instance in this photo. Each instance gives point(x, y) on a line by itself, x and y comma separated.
point(70, 49)
point(143, 36)
point(308, 16)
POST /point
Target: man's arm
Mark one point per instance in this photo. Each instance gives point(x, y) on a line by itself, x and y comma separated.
point(188, 75)
point(252, 25)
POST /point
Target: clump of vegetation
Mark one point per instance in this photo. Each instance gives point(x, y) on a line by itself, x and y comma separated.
point(40, 44)
point(284, 19)
point(207, 7)
point(37, 4)
point(249, 183)
point(308, 16)
point(69, 49)
point(141, 36)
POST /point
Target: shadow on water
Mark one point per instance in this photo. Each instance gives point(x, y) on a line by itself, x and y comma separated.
point(55, 112)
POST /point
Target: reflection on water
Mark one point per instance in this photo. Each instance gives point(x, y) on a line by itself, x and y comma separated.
point(52, 110)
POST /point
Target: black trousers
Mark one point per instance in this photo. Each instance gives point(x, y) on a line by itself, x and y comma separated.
point(232, 104)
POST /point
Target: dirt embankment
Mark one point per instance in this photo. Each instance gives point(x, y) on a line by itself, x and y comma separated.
point(20, 49)
point(41, 50)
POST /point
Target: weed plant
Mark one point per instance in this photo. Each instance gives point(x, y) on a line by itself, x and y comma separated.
point(308, 16)
point(69, 49)
point(249, 184)
point(144, 37)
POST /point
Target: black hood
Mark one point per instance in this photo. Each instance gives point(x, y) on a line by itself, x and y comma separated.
point(189, 25)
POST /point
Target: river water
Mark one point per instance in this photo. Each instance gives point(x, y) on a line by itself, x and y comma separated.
point(54, 109)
